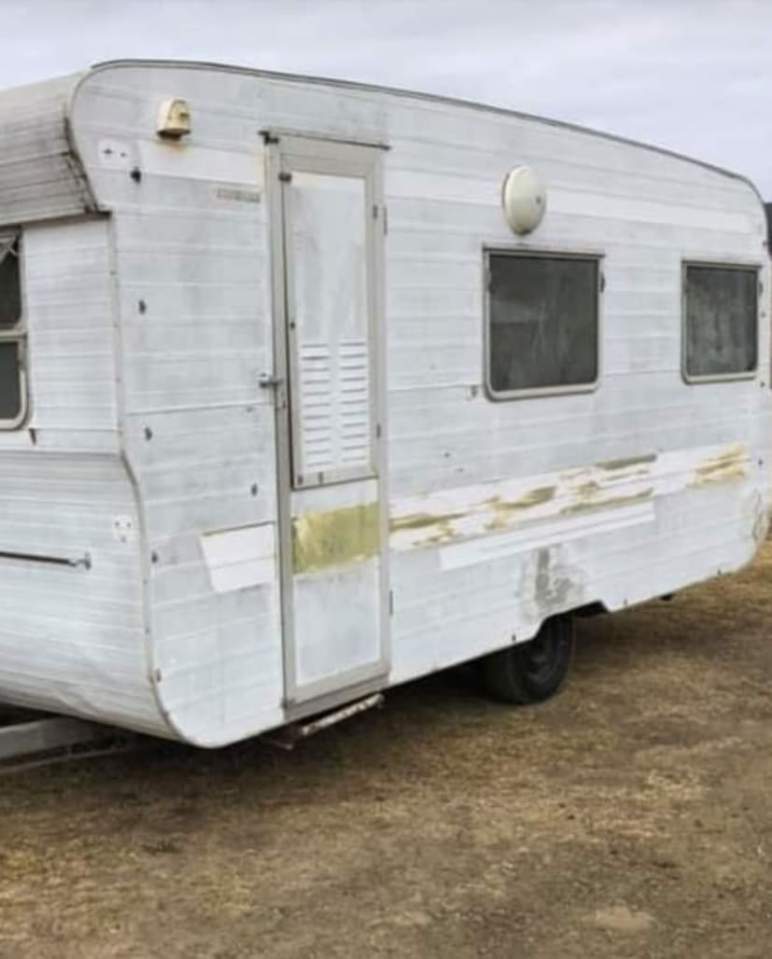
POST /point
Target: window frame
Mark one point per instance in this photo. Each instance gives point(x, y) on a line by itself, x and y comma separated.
point(594, 256)
point(18, 334)
point(756, 267)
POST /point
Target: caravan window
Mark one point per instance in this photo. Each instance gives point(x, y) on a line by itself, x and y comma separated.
point(721, 321)
point(12, 385)
point(542, 323)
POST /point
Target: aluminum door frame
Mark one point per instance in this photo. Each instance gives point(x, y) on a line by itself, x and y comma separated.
point(354, 159)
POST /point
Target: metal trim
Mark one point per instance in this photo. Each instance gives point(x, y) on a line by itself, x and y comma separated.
point(18, 334)
point(325, 160)
point(499, 396)
point(276, 134)
point(43, 735)
point(84, 561)
point(142, 545)
point(688, 378)
point(306, 698)
point(414, 95)
point(311, 707)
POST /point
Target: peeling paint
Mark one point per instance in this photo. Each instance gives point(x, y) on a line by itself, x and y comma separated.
point(622, 464)
point(541, 494)
point(591, 503)
point(552, 585)
point(504, 510)
point(525, 504)
point(729, 466)
point(549, 582)
point(335, 538)
point(423, 520)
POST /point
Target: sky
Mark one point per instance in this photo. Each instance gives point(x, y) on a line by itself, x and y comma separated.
point(693, 76)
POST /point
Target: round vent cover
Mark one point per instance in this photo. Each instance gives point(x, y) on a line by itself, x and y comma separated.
point(524, 199)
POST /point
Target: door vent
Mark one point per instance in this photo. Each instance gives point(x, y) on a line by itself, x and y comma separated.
point(335, 402)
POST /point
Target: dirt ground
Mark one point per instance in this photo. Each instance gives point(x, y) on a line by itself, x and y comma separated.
point(629, 817)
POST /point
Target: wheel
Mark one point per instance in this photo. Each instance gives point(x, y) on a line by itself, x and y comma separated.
point(532, 672)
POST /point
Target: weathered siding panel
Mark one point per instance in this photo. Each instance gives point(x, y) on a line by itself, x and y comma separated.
point(68, 309)
point(192, 245)
point(40, 178)
point(72, 639)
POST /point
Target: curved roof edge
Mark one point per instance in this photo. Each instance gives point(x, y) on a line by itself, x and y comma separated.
point(432, 97)
point(41, 176)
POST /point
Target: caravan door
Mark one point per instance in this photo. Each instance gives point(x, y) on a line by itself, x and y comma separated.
point(328, 253)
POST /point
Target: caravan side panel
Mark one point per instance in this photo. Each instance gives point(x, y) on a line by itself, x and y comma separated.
point(653, 483)
point(72, 634)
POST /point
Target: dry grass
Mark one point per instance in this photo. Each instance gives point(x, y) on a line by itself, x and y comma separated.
point(631, 816)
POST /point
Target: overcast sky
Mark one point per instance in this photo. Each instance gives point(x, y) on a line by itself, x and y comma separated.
point(691, 75)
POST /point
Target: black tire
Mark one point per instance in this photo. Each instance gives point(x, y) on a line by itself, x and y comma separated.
point(532, 672)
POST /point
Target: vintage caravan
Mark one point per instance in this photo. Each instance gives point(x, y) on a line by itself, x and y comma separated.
point(308, 388)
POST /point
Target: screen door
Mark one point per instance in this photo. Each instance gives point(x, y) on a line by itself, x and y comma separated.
point(328, 348)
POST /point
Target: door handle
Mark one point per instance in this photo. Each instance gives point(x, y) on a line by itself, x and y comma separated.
point(268, 381)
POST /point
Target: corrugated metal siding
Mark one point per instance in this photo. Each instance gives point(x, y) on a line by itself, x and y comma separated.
point(198, 430)
point(72, 639)
point(39, 177)
point(68, 309)
point(199, 258)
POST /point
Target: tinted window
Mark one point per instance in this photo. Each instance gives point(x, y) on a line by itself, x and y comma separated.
point(721, 320)
point(11, 334)
point(10, 285)
point(543, 322)
point(10, 392)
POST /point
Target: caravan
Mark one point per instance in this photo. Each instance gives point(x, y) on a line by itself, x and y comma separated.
point(309, 388)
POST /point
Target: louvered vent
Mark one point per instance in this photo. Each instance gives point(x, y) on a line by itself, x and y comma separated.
point(335, 414)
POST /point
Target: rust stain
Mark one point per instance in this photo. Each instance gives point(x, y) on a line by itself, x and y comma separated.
point(728, 467)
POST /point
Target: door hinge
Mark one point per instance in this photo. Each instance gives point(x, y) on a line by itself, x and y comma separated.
point(378, 431)
point(381, 210)
point(391, 602)
point(285, 177)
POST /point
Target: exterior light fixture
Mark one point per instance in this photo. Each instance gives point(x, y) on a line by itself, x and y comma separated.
point(524, 199)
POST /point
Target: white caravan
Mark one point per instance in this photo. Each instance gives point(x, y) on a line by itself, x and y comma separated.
point(308, 388)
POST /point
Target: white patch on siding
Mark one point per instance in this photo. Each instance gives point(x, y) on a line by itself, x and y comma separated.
point(238, 558)
point(485, 548)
